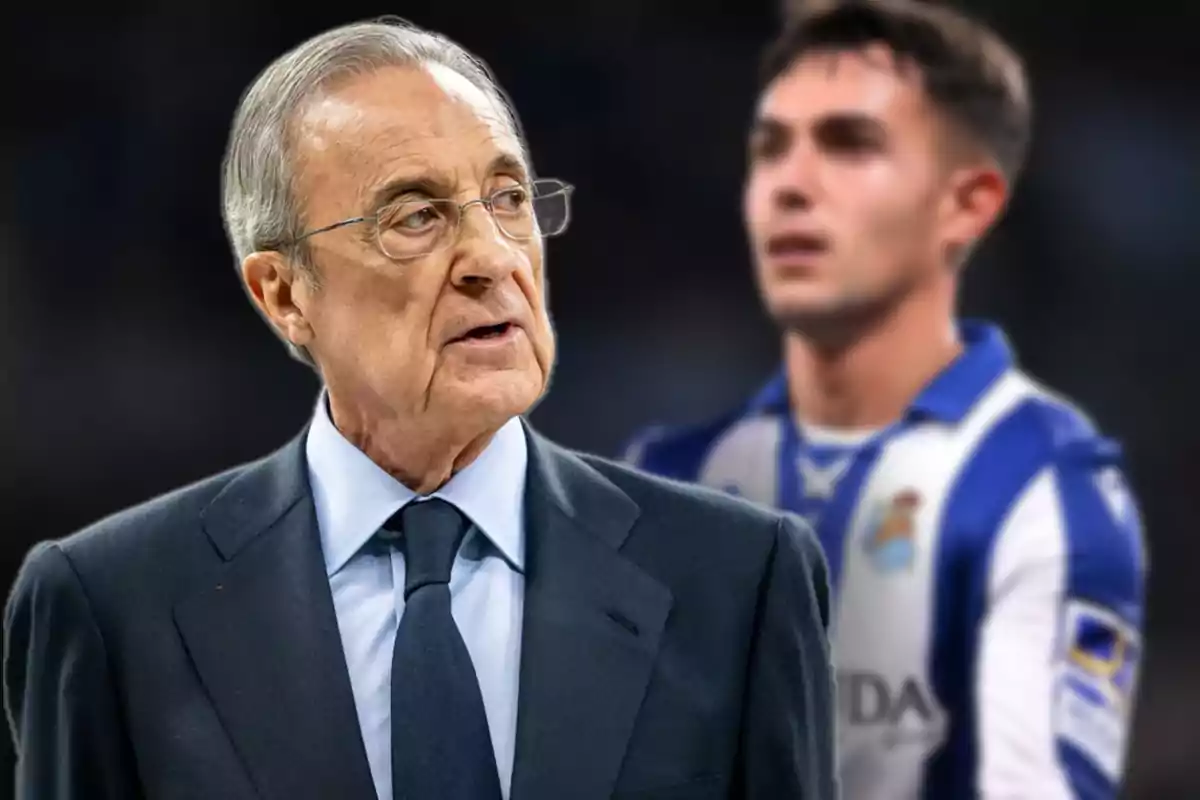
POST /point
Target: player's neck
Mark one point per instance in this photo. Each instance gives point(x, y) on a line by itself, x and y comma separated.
point(869, 381)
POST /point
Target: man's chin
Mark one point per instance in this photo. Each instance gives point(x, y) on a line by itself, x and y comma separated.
point(829, 323)
point(803, 318)
point(491, 397)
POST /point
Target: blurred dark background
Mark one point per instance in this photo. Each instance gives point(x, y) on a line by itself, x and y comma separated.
point(132, 363)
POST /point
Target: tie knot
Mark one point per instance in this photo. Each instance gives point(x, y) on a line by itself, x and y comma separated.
point(430, 533)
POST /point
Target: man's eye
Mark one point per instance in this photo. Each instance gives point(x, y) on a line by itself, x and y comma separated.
point(767, 146)
point(511, 200)
point(414, 217)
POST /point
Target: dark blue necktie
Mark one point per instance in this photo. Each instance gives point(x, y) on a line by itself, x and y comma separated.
point(441, 747)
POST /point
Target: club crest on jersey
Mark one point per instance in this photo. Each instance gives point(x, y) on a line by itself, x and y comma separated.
point(890, 543)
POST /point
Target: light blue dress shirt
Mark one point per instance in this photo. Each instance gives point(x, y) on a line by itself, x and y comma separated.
point(354, 497)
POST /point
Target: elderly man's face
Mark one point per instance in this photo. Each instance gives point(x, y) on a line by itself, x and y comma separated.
point(417, 337)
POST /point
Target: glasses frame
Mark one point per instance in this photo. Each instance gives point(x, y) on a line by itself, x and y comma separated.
point(487, 201)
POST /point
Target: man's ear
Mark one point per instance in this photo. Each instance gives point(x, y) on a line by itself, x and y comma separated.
point(977, 197)
point(279, 290)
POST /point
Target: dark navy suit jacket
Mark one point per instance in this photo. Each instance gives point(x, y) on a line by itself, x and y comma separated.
point(674, 646)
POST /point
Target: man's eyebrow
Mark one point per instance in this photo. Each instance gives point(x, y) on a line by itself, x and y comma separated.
point(766, 123)
point(429, 183)
point(509, 164)
point(840, 123)
point(833, 121)
point(424, 183)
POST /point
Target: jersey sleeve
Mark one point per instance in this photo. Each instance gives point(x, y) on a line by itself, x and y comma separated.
point(1061, 640)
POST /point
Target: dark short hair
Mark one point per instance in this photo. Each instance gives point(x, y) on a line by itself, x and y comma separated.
point(968, 72)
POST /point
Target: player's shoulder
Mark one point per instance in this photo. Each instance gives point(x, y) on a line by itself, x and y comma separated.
point(1018, 432)
point(1087, 466)
point(1072, 501)
point(1033, 422)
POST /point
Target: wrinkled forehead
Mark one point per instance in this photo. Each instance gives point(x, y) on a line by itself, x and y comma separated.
point(426, 125)
point(868, 81)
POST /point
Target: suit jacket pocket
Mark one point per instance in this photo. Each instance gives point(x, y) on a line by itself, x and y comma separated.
point(710, 787)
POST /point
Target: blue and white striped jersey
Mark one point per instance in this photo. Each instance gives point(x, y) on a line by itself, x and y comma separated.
point(989, 572)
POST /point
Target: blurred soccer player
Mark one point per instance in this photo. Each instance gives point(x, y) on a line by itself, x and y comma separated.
point(988, 555)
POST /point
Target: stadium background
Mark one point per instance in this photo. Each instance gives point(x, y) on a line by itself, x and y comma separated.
point(132, 363)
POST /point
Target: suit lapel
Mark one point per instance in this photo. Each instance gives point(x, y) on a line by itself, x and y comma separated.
point(265, 641)
point(592, 625)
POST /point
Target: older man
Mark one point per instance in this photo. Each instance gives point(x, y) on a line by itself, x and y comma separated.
point(418, 597)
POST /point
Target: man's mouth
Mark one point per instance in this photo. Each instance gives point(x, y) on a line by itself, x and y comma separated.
point(796, 254)
point(796, 244)
point(484, 333)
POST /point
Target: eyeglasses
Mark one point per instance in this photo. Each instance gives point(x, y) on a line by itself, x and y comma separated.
point(417, 227)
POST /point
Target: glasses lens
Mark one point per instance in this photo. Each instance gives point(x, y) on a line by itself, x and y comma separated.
point(415, 227)
point(541, 209)
point(513, 208)
point(551, 206)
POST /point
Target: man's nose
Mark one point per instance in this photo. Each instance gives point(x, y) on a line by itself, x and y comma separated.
point(796, 182)
point(791, 197)
point(486, 255)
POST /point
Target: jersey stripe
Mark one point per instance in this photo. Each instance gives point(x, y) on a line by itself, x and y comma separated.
point(1005, 461)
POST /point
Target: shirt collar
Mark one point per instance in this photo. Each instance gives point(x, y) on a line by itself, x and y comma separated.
point(948, 397)
point(354, 496)
point(955, 390)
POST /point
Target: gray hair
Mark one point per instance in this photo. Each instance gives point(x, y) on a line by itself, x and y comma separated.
point(260, 208)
